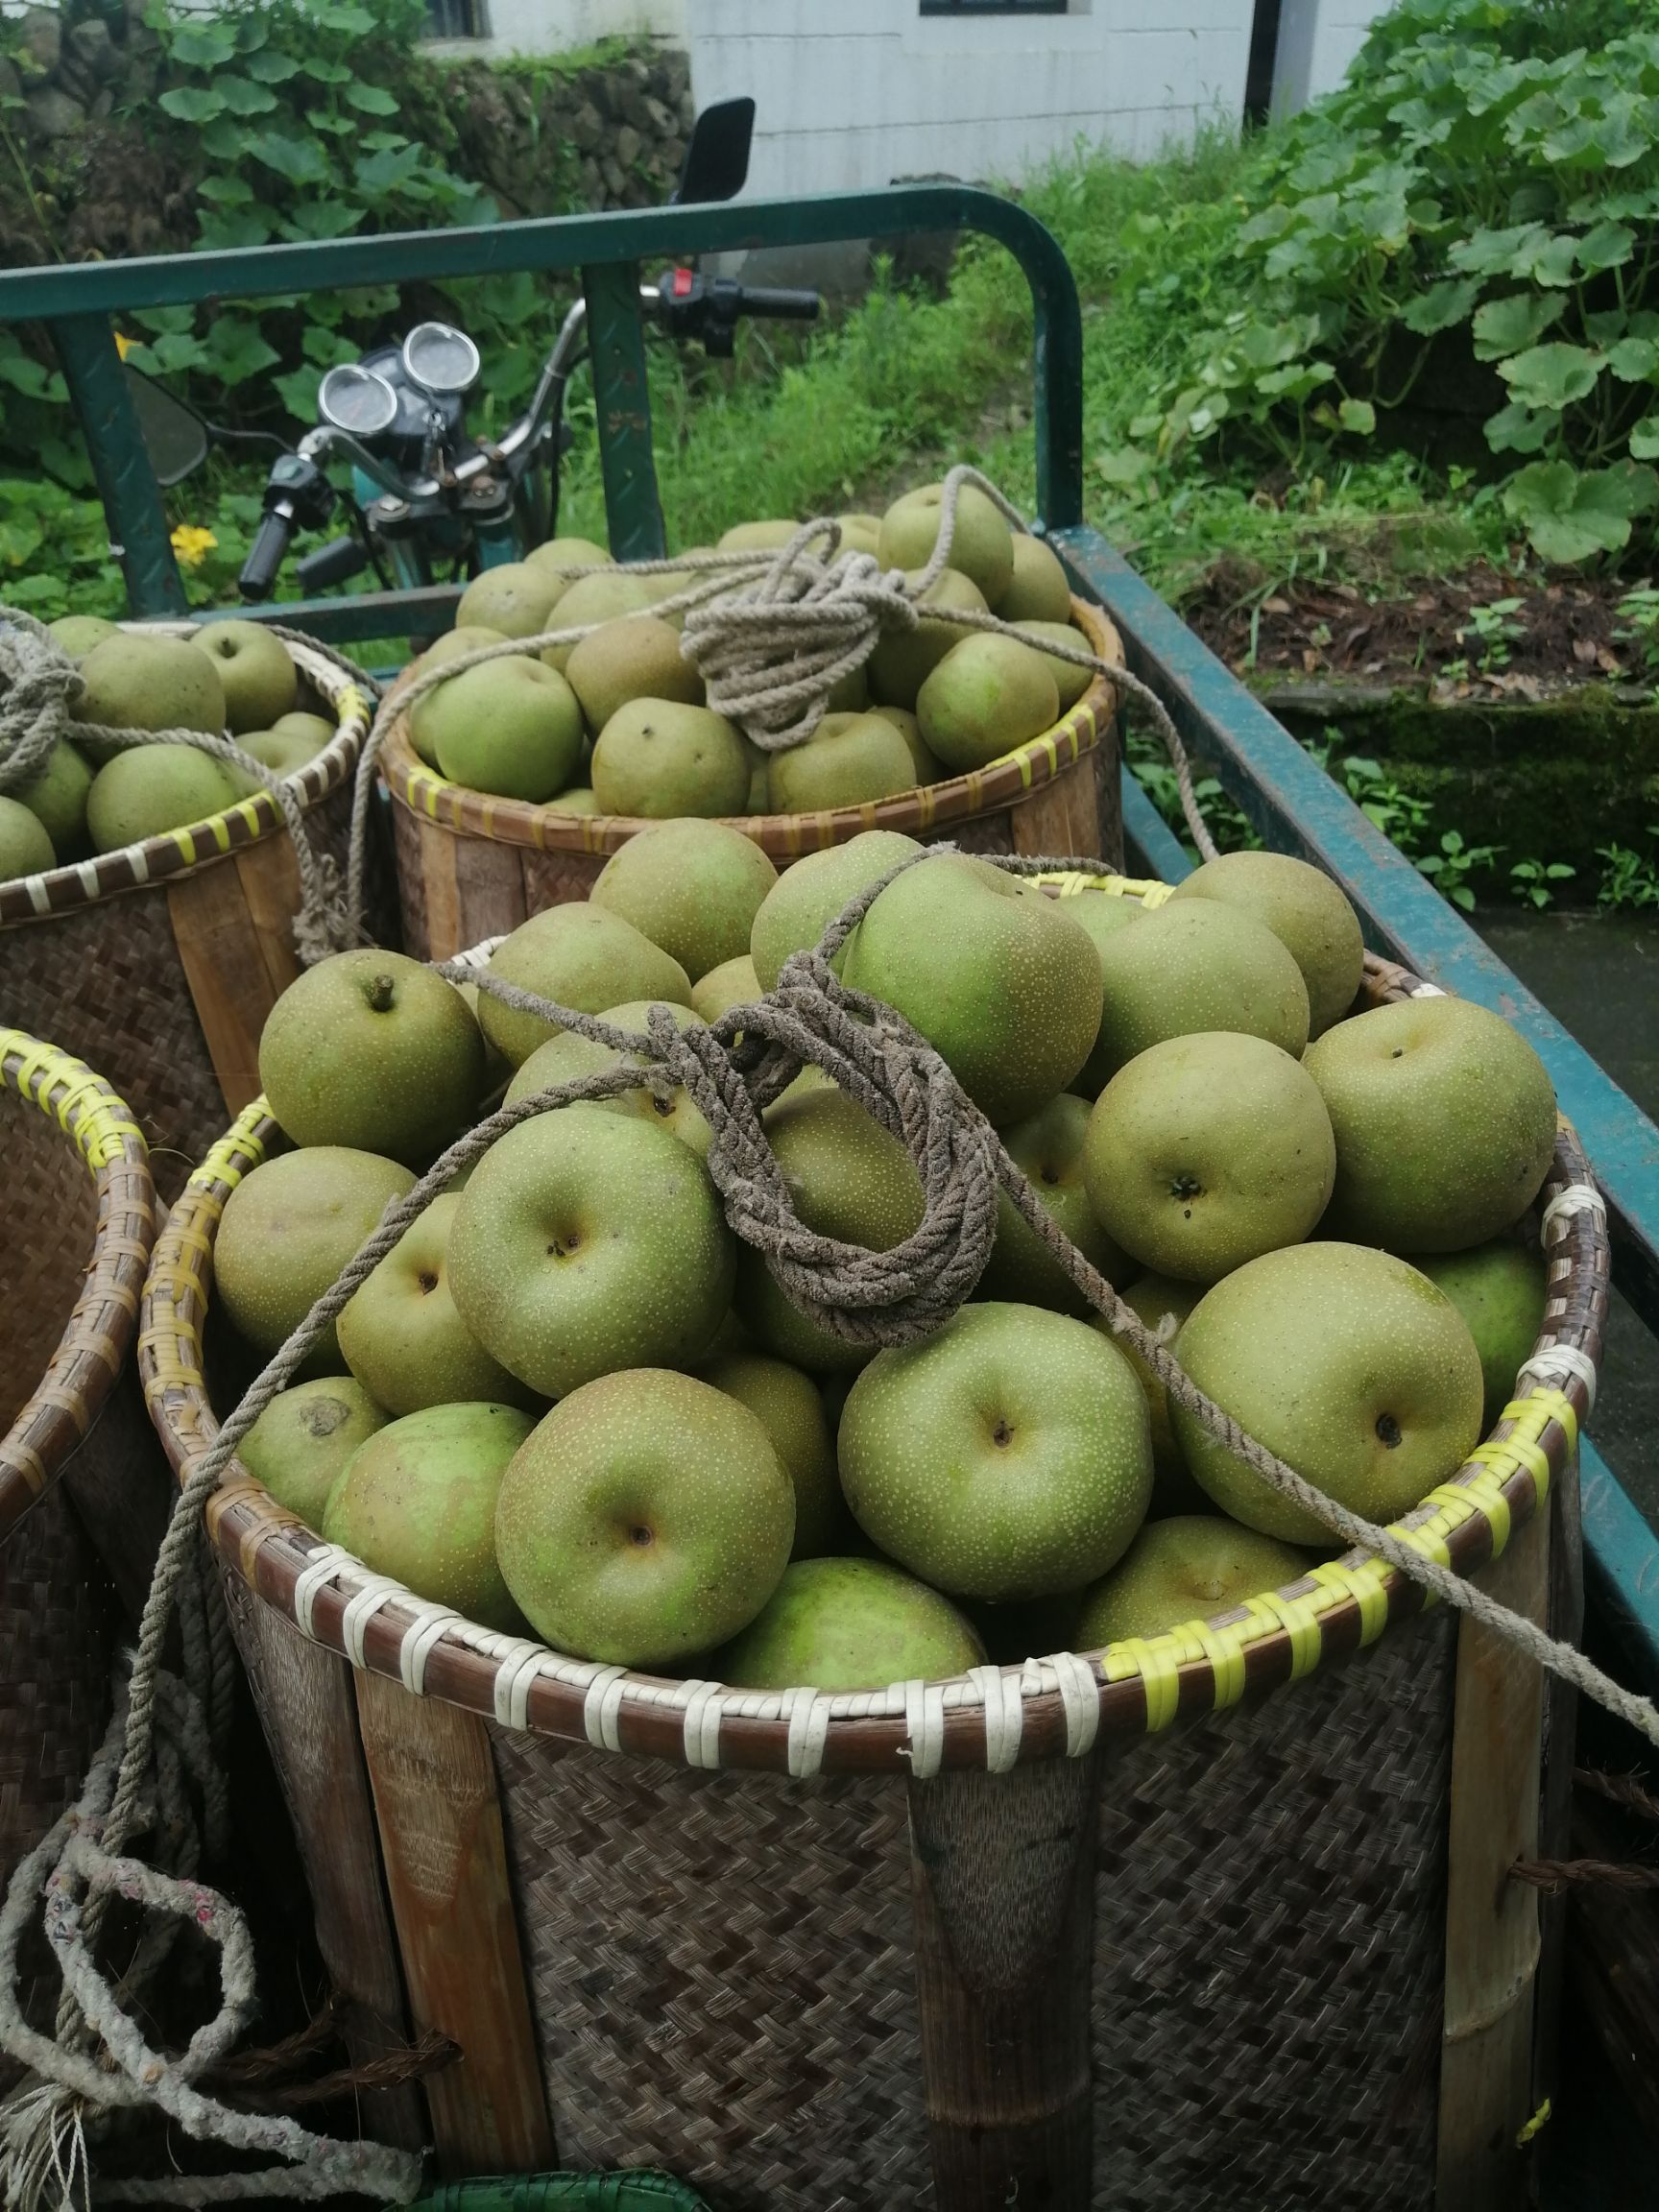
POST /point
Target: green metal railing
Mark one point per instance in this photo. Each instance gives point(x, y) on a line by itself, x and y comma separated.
point(609, 253)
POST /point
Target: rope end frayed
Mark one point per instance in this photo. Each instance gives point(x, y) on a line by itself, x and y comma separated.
point(44, 2163)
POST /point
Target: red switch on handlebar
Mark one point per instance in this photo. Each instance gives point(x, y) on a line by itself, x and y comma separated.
point(682, 282)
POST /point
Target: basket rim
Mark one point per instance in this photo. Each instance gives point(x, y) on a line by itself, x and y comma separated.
point(98, 1334)
point(992, 1717)
point(77, 883)
point(431, 797)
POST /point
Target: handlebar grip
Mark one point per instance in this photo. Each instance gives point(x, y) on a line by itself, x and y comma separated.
point(784, 306)
point(259, 569)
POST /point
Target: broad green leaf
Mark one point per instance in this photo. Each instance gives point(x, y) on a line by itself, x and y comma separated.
point(192, 104)
point(1609, 246)
point(1295, 381)
point(1442, 307)
point(1510, 325)
point(298, 159)
point(1488, 251)
point(243, 97)
point(298, 393)
point(1357, 415)
point(1645, 439)
point(356, 20)
point(23, 374)
point(1125, 465)
point(371, 100)
point(1552, 375)
point(323, 219)
point(238, 349)
point(234, 227)
point(1634, 360)
point(203, 45)
point(226, 140)
point(321, 71)
point(270, 68)
point(1550, 263)
point(1570, 516)
point(1518, 429)
point(225, 191)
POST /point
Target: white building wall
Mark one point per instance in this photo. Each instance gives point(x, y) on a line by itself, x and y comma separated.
point(550, 26)
point(851, 93)
point(1317, 40)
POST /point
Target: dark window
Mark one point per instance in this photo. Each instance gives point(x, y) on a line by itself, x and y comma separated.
point(996, 6)
point(457, 19)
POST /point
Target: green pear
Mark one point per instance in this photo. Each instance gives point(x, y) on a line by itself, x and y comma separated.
point(576, 955)
point(1005, 1456)
point(137, 681)
point(585, 1242)
point(986, 697)
point(453, 645)
point(1304, 910)
point(25, 848)
point(78, 634)
point(768, 536)
point(634, 658)
point(595, 599)
point(850, 760)
point(372, 1050)
point(860, 533)
point(1037, 590)
point(1500, 1289)
point(510, 727)
point(578, 800)
point(299, 1445)
point(1162, 1305)
point(926, 766)
point(560, 556)
point(287, 1231)
point(283, 752)
point(1047, 1148)
point(1445, 1121)
point(1207, 1150)
point(1072, 679)
point(982, 546)
point(564, 1058)
point(516, 598)
point(807, 898)
point(848, 1179)
point(692, 887)
point(659, 758)
point(790, 1408)
point(848, 1625)
point(151, 789)
point(1192, 966)
point(904, 659)
point(259, 678)
point(646, 1519)
point(418, 1503)
point(56, 798)
point(1348, 1365)
point(1102, 914)
point(1189, 1568)
point(401, 1334)
point(733, 983)
point(1005, 987)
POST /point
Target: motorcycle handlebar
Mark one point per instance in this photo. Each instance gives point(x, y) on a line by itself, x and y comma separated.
point(782, 305)
point(259, 569)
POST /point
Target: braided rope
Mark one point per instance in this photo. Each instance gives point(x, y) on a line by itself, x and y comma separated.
point(39, 687)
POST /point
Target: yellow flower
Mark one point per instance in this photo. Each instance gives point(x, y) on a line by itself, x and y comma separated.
point(193, 544)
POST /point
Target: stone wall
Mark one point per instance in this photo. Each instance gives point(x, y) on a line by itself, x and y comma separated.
point(613, 136)
point(545, 139)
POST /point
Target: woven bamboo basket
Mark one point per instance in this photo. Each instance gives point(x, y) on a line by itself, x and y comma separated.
point(472, 866)
point(161, 962)
point(84, 1492)
point(1148, 1929)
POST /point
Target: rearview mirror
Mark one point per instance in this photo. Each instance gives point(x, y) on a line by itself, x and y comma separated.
point(716, 164)
point(175, 439)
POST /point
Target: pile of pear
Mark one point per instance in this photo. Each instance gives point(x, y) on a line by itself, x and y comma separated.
point(617, 723)
point(231, 677)
point(569, 1402)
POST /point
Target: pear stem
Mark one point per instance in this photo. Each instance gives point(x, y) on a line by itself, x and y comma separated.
point(380, 994)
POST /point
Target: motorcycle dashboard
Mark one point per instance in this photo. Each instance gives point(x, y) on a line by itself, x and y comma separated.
point(358, 400)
